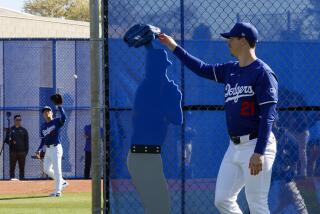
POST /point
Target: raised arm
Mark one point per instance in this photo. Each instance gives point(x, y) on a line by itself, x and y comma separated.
point(208, 71)
point(63, 115)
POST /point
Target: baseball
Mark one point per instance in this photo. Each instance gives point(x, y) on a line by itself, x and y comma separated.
point(75, 76)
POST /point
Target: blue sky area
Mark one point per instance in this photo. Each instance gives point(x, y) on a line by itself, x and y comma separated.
point(12, 4)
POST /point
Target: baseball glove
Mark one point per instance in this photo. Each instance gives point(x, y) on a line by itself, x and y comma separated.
point(141, 34)
point(56, 99)
point(39, 155)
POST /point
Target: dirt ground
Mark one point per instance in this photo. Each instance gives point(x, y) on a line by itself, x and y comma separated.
point(41, 186)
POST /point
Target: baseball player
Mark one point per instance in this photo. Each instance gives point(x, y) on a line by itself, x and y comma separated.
point(157, 105)
point(51, 140)
point(251, 94)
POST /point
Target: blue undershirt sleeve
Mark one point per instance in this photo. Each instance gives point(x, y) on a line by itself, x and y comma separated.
point(268, 115)
point(41, 145)
point(197, 66)
point(63, 115)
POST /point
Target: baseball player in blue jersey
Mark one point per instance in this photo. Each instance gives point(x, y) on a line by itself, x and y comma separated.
point(51, 140)
point(251, 94)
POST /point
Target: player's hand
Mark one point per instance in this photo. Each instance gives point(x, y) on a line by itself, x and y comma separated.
point(14, 142)
point(167, 41)
point(37, 154)
point(255, 164)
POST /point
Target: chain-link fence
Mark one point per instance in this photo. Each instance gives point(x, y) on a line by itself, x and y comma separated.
point(31, 71)
point(289, 43)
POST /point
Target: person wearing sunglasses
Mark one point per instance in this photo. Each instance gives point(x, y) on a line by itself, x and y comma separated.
point(18, 140)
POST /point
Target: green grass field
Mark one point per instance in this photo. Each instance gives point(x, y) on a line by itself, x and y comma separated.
point(33, 204)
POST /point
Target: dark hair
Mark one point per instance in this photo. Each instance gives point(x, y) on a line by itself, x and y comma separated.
point(252, 44)
point(17, 115)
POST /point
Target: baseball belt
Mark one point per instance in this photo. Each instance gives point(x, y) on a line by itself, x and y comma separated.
point(240, 139)
point(51, 145)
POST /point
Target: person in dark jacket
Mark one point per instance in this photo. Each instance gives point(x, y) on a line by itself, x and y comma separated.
point(18, 140)
point(87, 149)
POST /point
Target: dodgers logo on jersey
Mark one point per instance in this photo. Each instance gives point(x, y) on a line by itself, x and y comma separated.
point(236, 92)
point(47, 131)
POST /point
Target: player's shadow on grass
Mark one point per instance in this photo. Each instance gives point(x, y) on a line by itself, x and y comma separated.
point(23, 197)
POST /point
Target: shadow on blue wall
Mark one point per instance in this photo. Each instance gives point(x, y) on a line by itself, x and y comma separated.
point(157, 102)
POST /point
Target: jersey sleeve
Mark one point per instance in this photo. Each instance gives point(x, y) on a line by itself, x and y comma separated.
point(208, 71)
point(63, 117)
point(41, 134)
point(268, 114)
point(267, 88)
point(41, 145)
point(221, 70)
point(42, 140)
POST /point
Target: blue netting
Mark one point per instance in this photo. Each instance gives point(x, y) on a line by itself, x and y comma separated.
point(31, 70)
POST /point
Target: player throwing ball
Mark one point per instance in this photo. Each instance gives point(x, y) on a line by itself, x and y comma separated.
point(251, 94)
point(51, 140)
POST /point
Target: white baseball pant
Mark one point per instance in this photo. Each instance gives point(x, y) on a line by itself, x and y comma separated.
point(52, 165)
point(234, 174)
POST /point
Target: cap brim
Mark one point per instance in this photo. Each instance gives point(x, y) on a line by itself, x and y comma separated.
point(225, 35)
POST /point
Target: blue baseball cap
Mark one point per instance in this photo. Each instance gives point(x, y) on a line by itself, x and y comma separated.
point(46, 108)
point(243, 29)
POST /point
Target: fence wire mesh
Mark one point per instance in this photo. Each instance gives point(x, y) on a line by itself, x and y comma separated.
point(30, 72)
point(288, 42)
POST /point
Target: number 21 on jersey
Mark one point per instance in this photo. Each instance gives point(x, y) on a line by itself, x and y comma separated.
point(247, 108)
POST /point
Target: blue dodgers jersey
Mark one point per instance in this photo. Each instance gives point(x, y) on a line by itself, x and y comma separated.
point(50, 131)
point(245, 89)
point(251, 94)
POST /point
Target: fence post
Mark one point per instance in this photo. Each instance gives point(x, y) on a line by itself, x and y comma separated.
point(106, 141)
point(95, 114)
